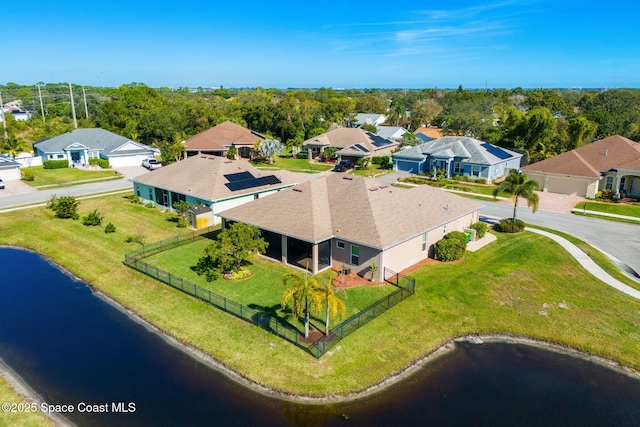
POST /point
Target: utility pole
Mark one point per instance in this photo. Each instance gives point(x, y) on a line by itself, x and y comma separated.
point(41, 104)
point(86, 110)
point(73, 107)
point(4, 122)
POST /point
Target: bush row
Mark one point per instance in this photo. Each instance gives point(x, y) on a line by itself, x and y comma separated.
point(508, 225)
point(55, 164)
point(103, 163)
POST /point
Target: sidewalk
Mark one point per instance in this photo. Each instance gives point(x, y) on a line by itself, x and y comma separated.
point(589, 264)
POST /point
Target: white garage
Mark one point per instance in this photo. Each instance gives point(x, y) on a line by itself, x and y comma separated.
point(9, 170)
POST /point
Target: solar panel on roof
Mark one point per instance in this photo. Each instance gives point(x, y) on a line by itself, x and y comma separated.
point(271, 179)
point(240, 176)
point(496, 151)
point(235, 184)
point(379, 141)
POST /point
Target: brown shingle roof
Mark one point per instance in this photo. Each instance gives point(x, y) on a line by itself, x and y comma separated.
point(433, 133)
point(223, 136)
point(354, 208)
point(203, 177)
point(592, 159)
point(347, 137)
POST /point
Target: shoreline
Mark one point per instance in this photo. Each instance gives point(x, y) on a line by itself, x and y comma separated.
point(393, 378)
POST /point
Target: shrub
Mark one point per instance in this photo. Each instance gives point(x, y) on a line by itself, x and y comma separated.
point(451, 247)
point(64, 207)
point(27, 175)
point(481, 229)
point(55, 164)
point(481, 180)
point(110, 228)
point(330, 153)
point(103, 163)
point(92, 218)
point(134, 199)
point(302, 156)
point(607, 194)
point(183, 222)
point(135, 238)
point(363, 162)
point(508, 225)
point(150, 205)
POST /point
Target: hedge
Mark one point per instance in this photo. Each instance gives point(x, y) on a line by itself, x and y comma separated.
point(55, 164)
point(103, 163)
point(451, 247)
point(508, 225)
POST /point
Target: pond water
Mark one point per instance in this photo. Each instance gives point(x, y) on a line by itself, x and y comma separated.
point(72, 348)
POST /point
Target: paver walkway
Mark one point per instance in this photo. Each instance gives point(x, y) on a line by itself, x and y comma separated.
point(589, 264)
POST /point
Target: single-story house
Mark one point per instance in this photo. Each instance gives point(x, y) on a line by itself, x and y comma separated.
point(214, 182)
point(612, 163)
point(217, 140)
point(352, 222)
point(9, 169)
point(80, 145)
point(457, 155)
point(391, 132)
point(369, 119)
point(353, 144)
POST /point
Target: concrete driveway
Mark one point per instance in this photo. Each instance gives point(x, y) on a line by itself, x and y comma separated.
point(551, 202)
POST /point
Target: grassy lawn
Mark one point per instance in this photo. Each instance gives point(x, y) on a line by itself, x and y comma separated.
point(469, 187)
point(63, 176)
point(522, 284)
point(19, 419)
point(613, 208)
point(263, 290)
point(296, 164)
point(371, 171)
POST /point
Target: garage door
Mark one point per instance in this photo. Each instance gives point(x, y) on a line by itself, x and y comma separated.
point(567, 186)
point(406, 166)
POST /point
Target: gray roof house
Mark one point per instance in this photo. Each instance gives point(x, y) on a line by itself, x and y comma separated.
point(80, 145)
point(353, 144)
point(391, 132)
point(369, 119)
point(347, 221)
point(214, 182)
point(457, 155)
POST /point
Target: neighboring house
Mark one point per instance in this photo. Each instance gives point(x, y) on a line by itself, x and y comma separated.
point(457, 155)
point(15, 109)
point(214, 182)
point(608, 164)
point(391, 132)
point(353, 144)
point(9, 169)
point(428, 134)
point(369, 119)
point(347, 221)
point(80, 145)
point(217, 140)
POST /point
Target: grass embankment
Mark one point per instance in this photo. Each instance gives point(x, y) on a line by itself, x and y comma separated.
point(484, 190)
point(67, 176)
point(371, 171)
point(263, 290)
point(19, 418)
point(522, 284)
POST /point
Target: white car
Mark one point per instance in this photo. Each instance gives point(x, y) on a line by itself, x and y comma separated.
point(151, 164)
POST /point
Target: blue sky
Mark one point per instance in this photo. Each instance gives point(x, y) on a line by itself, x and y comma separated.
point(340, 44)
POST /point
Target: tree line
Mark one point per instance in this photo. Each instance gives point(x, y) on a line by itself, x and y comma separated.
point(539, 122)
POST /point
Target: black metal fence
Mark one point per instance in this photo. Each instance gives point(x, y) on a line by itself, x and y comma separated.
point(274, 325)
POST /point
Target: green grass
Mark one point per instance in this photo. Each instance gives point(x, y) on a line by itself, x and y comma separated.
point(517, 285)
point(296, 164)
point(263, 290)
point(469, 187)
point(610, 218)
point(612, 208)
point(66, 175)
point(19, 419)
point(371, 171)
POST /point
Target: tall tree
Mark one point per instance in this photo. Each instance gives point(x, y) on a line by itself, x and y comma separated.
point(303, 293)
point(334, 305)
point(518, 184)
point(424, 112)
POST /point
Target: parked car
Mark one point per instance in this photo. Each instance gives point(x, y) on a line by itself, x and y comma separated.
point(343, 165)
point(151, 164)
point(1, 184)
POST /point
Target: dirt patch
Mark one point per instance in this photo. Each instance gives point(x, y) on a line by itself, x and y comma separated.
point(352, 280)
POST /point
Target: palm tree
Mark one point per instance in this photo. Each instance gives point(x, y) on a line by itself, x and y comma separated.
point(303, 292)
point(334, 304)
point(519, 185)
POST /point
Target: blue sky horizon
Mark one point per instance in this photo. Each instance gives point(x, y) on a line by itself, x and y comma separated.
point(338, 44)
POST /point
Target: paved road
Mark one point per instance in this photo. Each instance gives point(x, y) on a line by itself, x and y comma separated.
point(621, 240)
point(30, 196)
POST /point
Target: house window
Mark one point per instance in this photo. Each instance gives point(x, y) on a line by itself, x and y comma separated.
point(424, 242)
point(458, 169)
point(61, 156)
point(355, 255)
point(475, 170)
point(622, 182)
point(340, 245)
point(138, 192)
point(150, 194)
point(609, 183)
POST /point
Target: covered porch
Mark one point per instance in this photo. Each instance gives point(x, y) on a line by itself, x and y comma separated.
point(310, 256)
